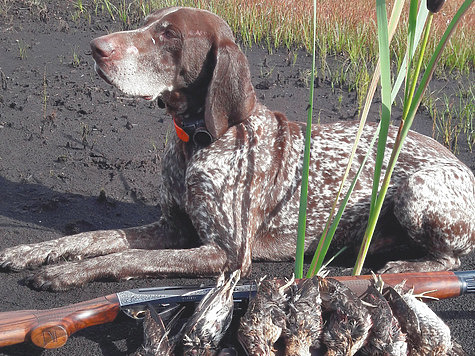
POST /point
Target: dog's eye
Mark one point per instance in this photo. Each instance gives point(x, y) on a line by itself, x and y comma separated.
point(168, 34)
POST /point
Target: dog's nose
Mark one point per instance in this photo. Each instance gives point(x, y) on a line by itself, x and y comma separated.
point(101, 47)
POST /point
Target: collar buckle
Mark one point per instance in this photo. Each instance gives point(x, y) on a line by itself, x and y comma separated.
point(196, 130)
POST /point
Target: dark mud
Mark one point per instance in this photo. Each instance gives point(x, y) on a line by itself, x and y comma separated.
point(67, 138)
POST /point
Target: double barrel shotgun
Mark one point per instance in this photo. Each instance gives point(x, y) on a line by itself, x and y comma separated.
point(51, 328)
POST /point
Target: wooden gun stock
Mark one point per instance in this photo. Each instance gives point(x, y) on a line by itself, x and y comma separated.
point(51, 328)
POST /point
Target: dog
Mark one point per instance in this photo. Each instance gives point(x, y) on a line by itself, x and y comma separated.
point(232, 174)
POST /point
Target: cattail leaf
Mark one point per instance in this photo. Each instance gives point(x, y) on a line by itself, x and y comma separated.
point(299, 254)
point(421, 19)
point(411, 35)
point(383, 134)
point(383, 42)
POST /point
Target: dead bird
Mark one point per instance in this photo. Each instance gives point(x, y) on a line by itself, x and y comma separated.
point(385, 337)
point(265, 318)
point(348, 322)
point(211, 318)
point(156, 341)
point(304, 320)
point(427, 334)
point(398, 347)
point(228, 351)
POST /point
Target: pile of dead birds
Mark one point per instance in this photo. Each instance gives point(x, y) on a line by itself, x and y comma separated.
point(318, 316)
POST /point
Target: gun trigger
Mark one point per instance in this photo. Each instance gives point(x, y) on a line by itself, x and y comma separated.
point(135, 312)
point(138, 311)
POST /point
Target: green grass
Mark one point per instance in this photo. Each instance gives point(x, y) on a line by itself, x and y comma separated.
point(76, 58)
point(79, 6)
point(342, 30)
point(302, 218)
point(452, 117)
point(22, 49)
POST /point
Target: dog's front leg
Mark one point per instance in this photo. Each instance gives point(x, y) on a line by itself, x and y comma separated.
point(83, 245)
point(73, 247)
point(207, 260)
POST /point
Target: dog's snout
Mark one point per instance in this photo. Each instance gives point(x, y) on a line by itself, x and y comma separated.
point(102, 48)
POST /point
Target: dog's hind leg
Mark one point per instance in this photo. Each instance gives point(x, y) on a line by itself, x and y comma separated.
point(436, 206)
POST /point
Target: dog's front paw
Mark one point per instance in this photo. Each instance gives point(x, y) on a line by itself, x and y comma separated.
point(444, 263)
point(395, 267)
point(56, 278)
point(27, 256)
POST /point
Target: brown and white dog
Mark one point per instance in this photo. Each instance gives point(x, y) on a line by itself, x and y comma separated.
point(230, 193)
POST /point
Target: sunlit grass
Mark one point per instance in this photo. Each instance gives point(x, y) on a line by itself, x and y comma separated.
point(299, 255)
point(452, 117)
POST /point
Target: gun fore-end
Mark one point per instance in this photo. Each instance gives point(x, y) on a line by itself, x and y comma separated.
point(440, 285)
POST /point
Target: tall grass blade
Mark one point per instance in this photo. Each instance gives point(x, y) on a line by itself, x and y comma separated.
point(330, 260)
point(317, 261)
point(299, 254)
point(329, 230)
point(383, 42)
point(411, 84)
point(421, 20)
point(411, 35)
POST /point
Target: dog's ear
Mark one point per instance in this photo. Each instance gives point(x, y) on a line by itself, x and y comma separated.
point(231, 96)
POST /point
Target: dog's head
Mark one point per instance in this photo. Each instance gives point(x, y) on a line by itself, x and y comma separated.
point(185, 57)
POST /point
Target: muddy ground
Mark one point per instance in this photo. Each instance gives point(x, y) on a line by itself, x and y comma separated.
point(66, 136)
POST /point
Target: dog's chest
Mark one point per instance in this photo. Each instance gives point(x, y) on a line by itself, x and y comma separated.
point(253, 165)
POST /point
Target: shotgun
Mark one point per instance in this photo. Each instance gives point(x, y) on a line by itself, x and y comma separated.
point(51, 328)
